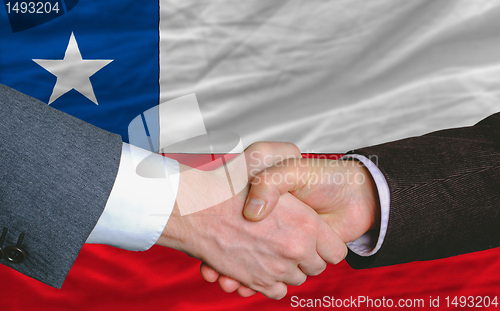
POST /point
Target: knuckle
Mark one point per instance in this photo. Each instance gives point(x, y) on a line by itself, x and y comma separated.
point(298, 251)
point(261, 284)
point(280, 270)
point(265, 183)
point(310, 226)
point(294, 150)
point(319, 269)
point(261, 147)
point(265, 179)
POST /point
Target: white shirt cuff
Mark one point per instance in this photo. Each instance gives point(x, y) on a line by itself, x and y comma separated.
point(368, 244)
point(140, 202)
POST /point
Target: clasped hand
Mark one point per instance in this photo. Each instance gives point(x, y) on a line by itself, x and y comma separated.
point(292, 219)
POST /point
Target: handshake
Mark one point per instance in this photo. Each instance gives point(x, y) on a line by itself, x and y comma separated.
point(293, 217)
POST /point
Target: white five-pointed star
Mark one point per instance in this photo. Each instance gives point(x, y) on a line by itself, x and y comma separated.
point(73, 72)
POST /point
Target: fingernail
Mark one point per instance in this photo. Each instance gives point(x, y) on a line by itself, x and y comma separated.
point(255, 207)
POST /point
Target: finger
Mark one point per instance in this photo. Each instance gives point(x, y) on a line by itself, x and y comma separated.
point(244, 291)
point(209, 274)
point(316, 267)
point(329, 245)
point(293, 276)
point(257, 157)
point(267, 187)
point(277, 291)
point(227, 284)
point(297, 279)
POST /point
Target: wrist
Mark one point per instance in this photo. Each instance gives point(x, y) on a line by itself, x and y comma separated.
point(178, 230)
point(199, 195)
point(174, 233)
point(372, 200)
point(364, 200)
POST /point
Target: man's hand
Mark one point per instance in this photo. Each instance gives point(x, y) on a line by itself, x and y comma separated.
point(341, 191)
point(291, 242)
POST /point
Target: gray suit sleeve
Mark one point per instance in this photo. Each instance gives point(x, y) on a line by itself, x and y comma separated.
point(56, 173)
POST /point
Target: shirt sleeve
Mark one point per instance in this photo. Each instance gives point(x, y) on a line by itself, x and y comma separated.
point(369, 243)
point(140, 202)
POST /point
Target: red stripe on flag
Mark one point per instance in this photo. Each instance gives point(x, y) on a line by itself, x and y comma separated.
point(106, 278)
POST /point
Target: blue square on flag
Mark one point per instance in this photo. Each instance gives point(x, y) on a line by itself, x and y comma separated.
point(96, 60)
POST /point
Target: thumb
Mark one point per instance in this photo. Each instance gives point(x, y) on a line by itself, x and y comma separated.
point(261, 155)
point(267, 187)
point(254, 159)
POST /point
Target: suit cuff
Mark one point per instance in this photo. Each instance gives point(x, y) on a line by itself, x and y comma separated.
point(369, 243)
point(140, 202)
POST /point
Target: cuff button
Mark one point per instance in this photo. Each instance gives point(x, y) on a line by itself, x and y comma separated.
point(14, 254)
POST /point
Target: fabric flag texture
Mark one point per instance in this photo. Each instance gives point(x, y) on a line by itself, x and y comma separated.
point(329, 76)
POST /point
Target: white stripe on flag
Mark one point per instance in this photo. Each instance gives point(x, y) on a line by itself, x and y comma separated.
point(331, 76)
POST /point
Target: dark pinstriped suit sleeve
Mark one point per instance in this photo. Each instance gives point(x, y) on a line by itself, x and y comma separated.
point(444, 192)
point(56, 173)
